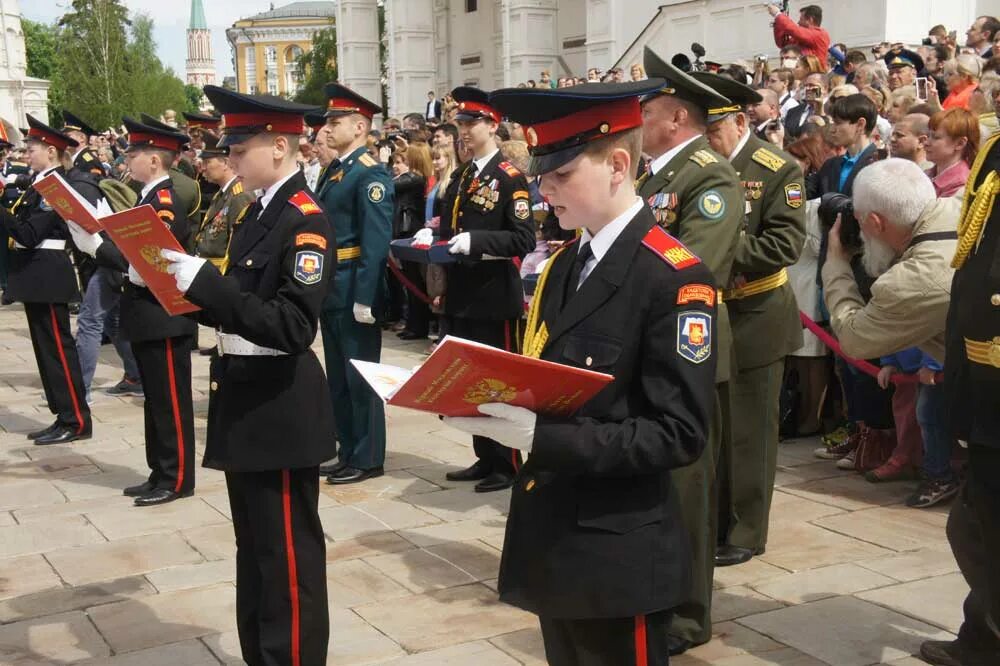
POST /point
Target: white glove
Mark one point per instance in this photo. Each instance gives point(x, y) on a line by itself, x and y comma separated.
point(183, 267)
point(363, 314)
point(512, 426)
point(10, 179)
point(423, 238)
point(86, 242)
point(460, 244)
point(134, 277)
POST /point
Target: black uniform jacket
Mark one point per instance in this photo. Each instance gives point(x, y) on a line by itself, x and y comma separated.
point(41, 276)
point(271, 412)
point(87, 162)
point(594, 529)
point(495, 208)
point(142, 316)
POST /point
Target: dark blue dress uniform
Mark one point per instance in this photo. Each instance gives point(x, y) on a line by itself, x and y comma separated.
point(18, 173)
point(485, 299)
point(84, 160)
point(42, 277)
point(162, 344)
point(356, 193)
point(269, 417)
point(594, 543)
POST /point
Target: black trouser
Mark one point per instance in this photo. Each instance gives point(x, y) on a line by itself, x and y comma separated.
point(418, 313)
point(58, 363)
point(503, 335)
point(165, 370)
point(630, 641)
point(281, 606)
point(974, 535)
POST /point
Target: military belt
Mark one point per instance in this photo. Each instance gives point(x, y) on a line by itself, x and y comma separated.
point(50, 244)
point(348, 253)
point(984, 353)
point(235, 345)
point(769, 283)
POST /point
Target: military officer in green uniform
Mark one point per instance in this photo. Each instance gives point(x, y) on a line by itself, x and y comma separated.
point(211, 240)
point(356, 192)
point(696, 196)
point(763, 314)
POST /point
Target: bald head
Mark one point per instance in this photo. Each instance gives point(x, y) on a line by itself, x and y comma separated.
point(767, 109)
point(909, 138)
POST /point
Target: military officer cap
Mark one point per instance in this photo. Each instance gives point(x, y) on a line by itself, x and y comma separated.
point(739, 94)
point(202, 121)
point(342, 101)
point(474, 104)
point(73, 123)
point(39, 131)
point(560, 123)
point(678, 84)
point(142, 135)
point(903, 58)
point(244, 116)
point(212, 147)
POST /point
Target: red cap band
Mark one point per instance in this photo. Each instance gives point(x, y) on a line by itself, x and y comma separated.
point(281, 123)
point(155, 140)
point(476, 107)
point(344, 105)
point(203, 124)
point(51, 139)
point(605, 119)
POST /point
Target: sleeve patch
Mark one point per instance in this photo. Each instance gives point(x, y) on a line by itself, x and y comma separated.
point(522, 209)
point(521, 194)
point(793, 195)
point(376, 192)
point(766, 158)
point(703, 158)
point(510, 169)
point(691, 293)
point(305, 203)
point(694, 336)
point(310, 239)
point(163, 196)
point(166, 215)
point(711, 205)
point(669, 249)
point(308, 267)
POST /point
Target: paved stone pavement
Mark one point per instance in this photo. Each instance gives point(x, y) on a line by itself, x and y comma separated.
point(850, 577)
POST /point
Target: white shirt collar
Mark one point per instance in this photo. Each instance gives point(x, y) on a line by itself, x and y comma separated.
point(43, 174)
point(77, 153)
point(271, 191)
point(606, 237)
point(232, 180)
point(483, 161)
point(662, 160)
point(148, 187)
point(739, 146)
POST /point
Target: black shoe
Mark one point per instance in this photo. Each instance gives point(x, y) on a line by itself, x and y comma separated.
point(677, 645)
point(476, 472)
point(353, 475)
point(143, 488)
point(727, 556)
point(495, 481)
point(332, 468)
point(5, 299)
point(941, 653)
point(410, 335)
point(63, 435)
point(208, 352)
point(127, 387)
point(40, 433)
point(160, 496)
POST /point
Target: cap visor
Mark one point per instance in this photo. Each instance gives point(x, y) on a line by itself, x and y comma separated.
point(539, 165)
point(232, 139)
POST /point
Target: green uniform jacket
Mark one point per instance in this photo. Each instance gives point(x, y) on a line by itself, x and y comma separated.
point(766, 326)
point(211, 240)
point(188, 194)
point(697, 197)
point(357, 195)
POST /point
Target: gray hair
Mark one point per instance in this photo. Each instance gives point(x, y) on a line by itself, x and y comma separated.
point(896, 189)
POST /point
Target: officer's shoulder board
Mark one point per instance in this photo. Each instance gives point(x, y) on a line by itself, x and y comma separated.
point(703, 158)
point(510, 169)
point(18, 164)
point(237, 187)
point(243, 213)
point(367, 160)
point(87, 156)
point(767, 159)
point(165, 198)
point(305, 203)
point(669, 249)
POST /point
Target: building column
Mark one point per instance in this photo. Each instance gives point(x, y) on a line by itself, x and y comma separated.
point(358, 65)
point(602, 32)
point(533, 39)
point(410, 55)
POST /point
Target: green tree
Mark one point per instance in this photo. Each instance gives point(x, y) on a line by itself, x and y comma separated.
point(194, 97)
point(154, 88)
point(40, 49)
point(318, 67)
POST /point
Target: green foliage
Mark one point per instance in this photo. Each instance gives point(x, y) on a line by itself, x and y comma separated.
point(194, 97)
point(319, 66)
point(40, 49)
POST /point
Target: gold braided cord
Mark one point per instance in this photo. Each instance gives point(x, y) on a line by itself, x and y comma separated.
point(976, 205)
point(535, 337)
point(458, 197)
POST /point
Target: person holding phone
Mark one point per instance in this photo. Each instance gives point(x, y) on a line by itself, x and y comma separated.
point(962, 75)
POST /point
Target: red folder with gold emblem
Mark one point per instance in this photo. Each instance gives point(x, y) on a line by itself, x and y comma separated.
point(140, 235)
point(68, 203)
point(461, 375)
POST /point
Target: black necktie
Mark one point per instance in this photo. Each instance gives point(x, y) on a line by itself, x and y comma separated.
point(583, 255)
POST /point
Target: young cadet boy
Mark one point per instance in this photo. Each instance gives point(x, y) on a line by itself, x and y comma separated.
point(161, 343)
point(594, 543)
point(42, 277)
point(269, 415)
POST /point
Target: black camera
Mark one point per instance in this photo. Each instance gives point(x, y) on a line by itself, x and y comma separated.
point(833, 204)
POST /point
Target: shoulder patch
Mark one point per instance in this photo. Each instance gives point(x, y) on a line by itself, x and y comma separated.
point(308, 266)
point(510, 169)
point(376, 192)
point(703, 158)
point(694, 336)
point(793, 195)
point(165, 198)
point(367, 160)
point(87, 157)
point(769, 160)
point(521, 194)
point(237, 187)
point(711, 205)
point(310, 239)
point(305, 203)
point(669, 249)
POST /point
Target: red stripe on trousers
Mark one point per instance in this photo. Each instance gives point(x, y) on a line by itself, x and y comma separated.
point(640, 641)
point(65, 365)
point(293, 575)
point(175, 406)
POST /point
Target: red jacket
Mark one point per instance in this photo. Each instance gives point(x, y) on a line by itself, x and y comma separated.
point(811, 41)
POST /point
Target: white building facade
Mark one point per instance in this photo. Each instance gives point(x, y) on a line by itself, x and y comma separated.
point(19, 93)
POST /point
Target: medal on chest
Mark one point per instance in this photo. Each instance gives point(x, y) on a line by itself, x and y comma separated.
point(664, 207)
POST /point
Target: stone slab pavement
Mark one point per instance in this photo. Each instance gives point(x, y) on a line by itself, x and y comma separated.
point(850, 577)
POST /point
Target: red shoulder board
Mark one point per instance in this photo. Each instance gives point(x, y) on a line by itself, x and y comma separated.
point(305, 203)
point(510, 169)
point(669, 249)
point(165, 198)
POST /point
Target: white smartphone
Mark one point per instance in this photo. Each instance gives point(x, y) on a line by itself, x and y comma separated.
point(922, 88)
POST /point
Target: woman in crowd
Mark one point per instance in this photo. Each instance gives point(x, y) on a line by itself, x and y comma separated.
point(806, 65)
point(962, 76)
point(411, 173)
point(951, 148)
point(637, 72)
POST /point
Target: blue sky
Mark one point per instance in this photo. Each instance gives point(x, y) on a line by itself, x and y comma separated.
point(170, 20)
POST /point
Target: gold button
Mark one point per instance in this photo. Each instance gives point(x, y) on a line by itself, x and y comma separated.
point(461, 213)
point(249, 262)
point(589, 361)
point(995, 299)
point(214, 386)
point(530, 485)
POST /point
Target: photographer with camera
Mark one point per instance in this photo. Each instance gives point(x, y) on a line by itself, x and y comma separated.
point(806, 34)
point(813, 100)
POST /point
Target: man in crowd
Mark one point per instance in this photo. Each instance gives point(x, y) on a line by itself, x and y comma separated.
point(14, 186)
point(228, 204)
point(853, 120)
point(814, 89)
point(909, 139)
point(808, 34)
point(83, 158)
point(765, 115)
point(433, 109)
point(981, 34)
point(903, 65)
point(780, 81)
point(445, 136)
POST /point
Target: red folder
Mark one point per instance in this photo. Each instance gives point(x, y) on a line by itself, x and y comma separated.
point(140, 235)
point(68, 202)
point(461, 375)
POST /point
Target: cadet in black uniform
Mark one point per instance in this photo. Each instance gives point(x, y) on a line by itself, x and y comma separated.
point(15, 179)
point(594, 544)
point(269, 414)
point(161, 343)
point(83, 159)
point(488, 219)
point(42, 277)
